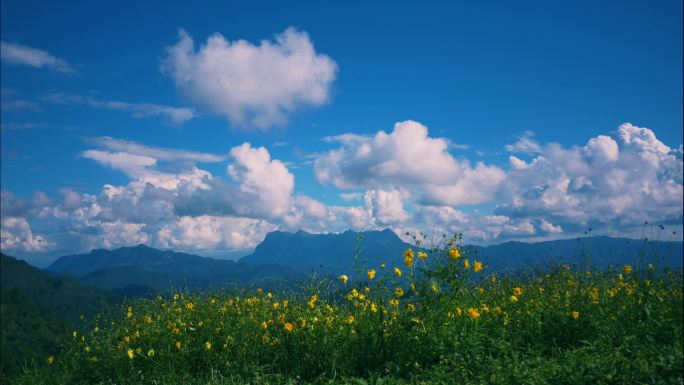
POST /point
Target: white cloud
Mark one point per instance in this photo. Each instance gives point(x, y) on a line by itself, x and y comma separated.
point(524, 145)
point(213, 233)
point(407, 158)
point(351, 196)
point(22, 55)
point(610, 182)
point(131, 165)
point(19, 105)
point(549, 227)
point(268, 181)
point(387, 206)
point(16, 234)
point(158, 153)
point(119, 234)
point(252, 85)
point(173, 115)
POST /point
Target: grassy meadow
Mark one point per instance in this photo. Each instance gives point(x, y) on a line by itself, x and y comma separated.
point(438, 317)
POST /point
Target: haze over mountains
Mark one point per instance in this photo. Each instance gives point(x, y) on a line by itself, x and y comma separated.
point(140, 270)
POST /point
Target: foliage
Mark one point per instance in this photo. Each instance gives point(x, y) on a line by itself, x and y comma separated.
point(440, 317)
point(37, 311)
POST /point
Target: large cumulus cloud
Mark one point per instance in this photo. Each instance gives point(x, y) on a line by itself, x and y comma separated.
point(404, 180)
point(619, 181)
point(407, 158)
point(252, 85)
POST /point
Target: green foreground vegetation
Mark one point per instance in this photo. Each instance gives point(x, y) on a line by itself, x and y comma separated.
point(440, 317)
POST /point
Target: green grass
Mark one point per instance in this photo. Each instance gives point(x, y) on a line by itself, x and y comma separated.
point(451, 325)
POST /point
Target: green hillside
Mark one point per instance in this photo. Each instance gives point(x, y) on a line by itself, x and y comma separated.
point(38, 311)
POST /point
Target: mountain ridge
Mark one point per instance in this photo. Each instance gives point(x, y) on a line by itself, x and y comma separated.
point(283, 255)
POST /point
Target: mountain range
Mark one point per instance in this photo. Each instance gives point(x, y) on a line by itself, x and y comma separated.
point(282, 256)
point(39, 307)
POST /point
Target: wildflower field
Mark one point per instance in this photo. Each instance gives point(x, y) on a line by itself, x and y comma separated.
point(438, 317)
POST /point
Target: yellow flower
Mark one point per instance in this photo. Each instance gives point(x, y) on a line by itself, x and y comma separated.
point(312, 301)
point(129, 313)
point(473, 313)
point(422, 255)
point(343, 278)
point(264, 325)
point(75, 334)
point(87, 349)
point(148, 319)
point(207, 345)
point(466, 263)
point(189, 306)
point(374, 307)
point(394, 302)
point(399, 292)
point(459, 311)
point(496, 310)
point(408, 257)
point(410, 308)
point(178, 344)
point(397, 272)
point(288, 326)
point(454, 253)
point(575, 314)
point(477, 266)
point(517, 290)
point(371, 274)
point(514, 298)
point(130, 353)
point(50, 360)
point(150, 353)
point(627, 269)
point(259, 291)
point(382, 266)
point(349, 320)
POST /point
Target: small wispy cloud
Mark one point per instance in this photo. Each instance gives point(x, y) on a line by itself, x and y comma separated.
point(459, 146)
point(354, 196)
point(21, 55)
point(22, 126)
point(19, 105)
point(524, 145)
point(158, 153)
point(174, 115)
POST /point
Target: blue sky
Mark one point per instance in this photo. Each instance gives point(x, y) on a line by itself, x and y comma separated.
point(527, 121)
